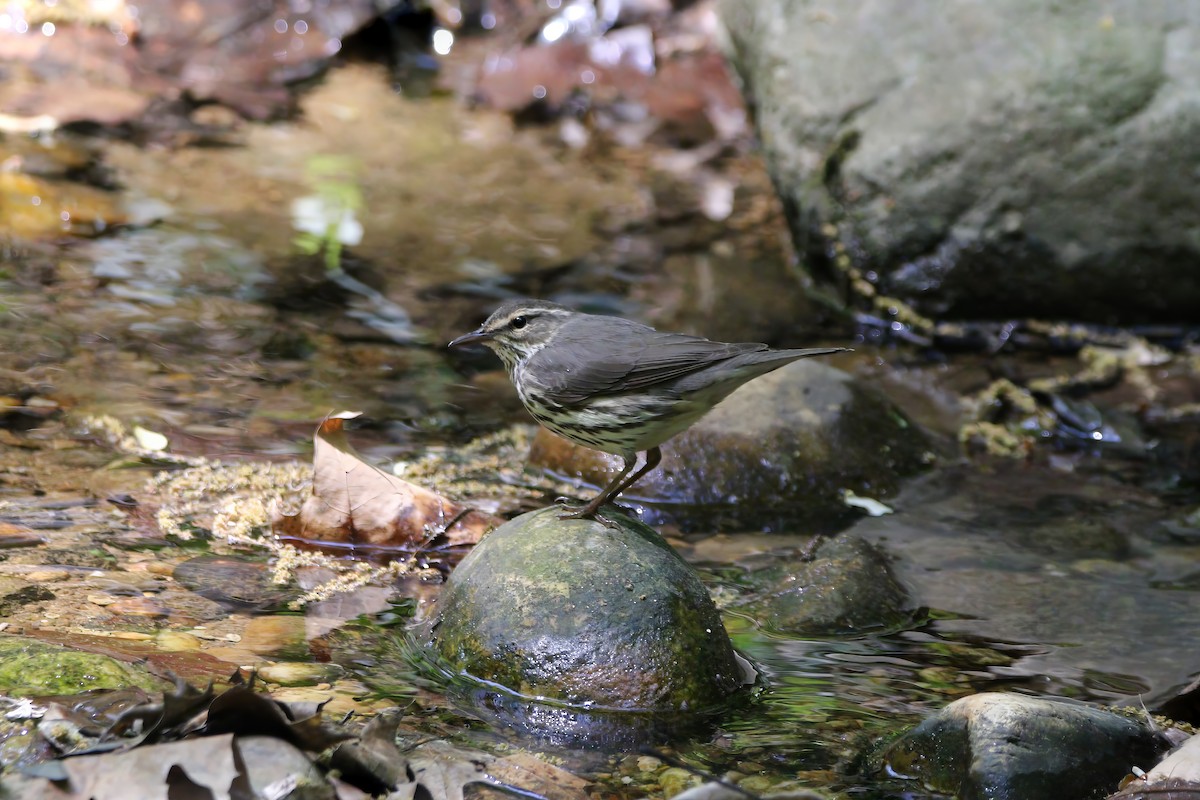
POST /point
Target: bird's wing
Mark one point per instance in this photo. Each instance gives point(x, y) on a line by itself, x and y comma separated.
point(621, 356)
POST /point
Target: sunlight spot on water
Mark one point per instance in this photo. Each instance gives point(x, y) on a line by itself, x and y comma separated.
point(443, 40)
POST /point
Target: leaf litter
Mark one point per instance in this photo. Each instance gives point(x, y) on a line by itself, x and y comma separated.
point(188, 745)
point(185, 742)
point(308, 518)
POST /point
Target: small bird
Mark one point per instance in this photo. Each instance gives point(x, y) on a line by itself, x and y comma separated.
point(614, 385)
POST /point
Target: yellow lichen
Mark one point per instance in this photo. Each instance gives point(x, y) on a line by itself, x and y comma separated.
point(994, 439)
point(349, 575)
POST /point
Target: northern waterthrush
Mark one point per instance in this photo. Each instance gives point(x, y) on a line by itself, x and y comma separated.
point(614, 385)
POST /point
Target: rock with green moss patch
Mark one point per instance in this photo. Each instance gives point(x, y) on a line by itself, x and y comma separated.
point(32, 668)
point(581, 613)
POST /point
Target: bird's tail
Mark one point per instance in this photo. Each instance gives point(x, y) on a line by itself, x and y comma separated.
point(763, 361)
point(746, 366)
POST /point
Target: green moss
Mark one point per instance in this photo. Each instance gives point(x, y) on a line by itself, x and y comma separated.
point(32, 668)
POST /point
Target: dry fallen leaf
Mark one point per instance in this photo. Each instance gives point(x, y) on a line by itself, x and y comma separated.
point(357, 504)
point(444, 769)
point(157, 772)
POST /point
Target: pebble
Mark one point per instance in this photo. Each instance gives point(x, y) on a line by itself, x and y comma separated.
point(177, 641)
point(337, 703)
point(139, 607)
point(297, 673)
point(101, 599)
point(153, 568)
point(234, 655)
point(47, 575)
point(276, 635)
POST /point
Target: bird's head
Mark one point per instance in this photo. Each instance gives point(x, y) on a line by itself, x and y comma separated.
point(518, 329)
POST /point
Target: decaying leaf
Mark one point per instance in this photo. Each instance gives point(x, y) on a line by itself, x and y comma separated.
point(373, 762)
point(440, 769)
point(353, 503)
point(213, 760)
point(172, 717)
point(443, 769)
point(157, 772)
point(243, 711)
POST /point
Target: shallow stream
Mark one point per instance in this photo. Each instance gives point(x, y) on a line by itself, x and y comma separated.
point(1074, 571)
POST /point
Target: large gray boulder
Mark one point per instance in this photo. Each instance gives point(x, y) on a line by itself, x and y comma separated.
point(986, 159)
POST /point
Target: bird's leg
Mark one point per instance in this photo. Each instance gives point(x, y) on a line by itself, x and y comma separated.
point(606, 494)
point(653, 457)
point(617, 485)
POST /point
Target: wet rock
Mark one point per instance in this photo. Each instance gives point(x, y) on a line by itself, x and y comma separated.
point(675, 781)
point(37, 208)
point(233, 582)
point(1185, 527)
point(32, 668)
point(176, 641)
point(1074, 537)
point(847, 587)
point(995, 745)
point(1182, 703)
point(578, 612)
point(295, 673)
point(278, 636)
point(272, 764)
point(938, 155)
point(143, 607)
point(45, 576)
point(23, 597)
point(778, 452)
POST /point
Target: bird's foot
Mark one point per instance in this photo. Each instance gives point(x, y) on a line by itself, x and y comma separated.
point(587, 512)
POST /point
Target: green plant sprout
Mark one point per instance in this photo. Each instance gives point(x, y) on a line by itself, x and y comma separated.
point(326, 219)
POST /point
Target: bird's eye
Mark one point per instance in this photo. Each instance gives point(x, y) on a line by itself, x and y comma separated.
point(519, 322)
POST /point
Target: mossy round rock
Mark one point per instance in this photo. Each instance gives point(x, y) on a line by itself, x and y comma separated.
point(587, 614)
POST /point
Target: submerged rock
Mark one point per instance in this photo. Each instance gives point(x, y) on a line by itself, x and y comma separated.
point(778, 452)
point(579, 613)
point(32, 668)
point(997, 746)
point(847, 587)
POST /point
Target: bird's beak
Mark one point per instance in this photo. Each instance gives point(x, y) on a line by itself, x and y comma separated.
point(471, 338)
